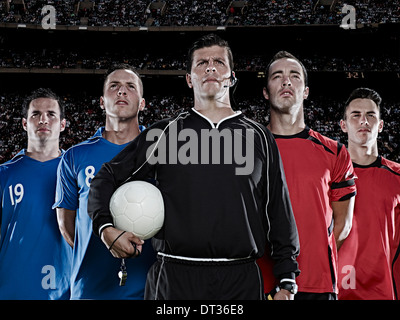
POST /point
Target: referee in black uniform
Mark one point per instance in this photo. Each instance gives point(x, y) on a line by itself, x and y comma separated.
point(224, 191)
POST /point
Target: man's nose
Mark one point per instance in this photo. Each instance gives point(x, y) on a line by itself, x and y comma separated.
point(286, 82)
point(208, 70)
point(43, 118)
point(121, 90)
point(364, 120)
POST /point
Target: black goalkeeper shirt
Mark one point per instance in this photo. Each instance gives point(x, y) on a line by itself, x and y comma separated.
point(223, 186)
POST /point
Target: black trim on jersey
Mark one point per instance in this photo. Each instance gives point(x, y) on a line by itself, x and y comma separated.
point(302, 135)
point(348, 196)
point(333, 277)
point(377, 163)
point(330, 228)
point(305, 135)
point(390, 170)
point(331, 268)
point(315, 140)
point(339, 147)
point(343, 184)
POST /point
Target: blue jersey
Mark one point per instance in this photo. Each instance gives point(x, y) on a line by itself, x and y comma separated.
point(94, 269)
point(34, 257)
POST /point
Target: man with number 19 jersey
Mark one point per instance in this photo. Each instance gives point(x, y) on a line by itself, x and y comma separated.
point(32, 251)
point(94, 269)
point(34, 258)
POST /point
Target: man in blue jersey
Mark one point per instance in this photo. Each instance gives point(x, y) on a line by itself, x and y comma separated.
point(94, 269)
point(34, 258)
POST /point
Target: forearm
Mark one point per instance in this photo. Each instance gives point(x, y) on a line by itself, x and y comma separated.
point(66, 224)
point(342, 220)
point(341, 230)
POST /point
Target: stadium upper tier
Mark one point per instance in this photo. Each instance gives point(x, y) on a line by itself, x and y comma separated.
point(196, 13)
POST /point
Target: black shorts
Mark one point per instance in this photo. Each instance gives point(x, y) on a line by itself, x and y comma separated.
point(176, 279)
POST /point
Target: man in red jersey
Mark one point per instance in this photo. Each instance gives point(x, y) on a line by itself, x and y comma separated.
point(367, 258)
point(320, 178)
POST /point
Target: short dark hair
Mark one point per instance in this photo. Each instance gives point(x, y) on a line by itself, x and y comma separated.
point(123, 66)
point(287, 55)
point(363, 93)
point(42, 93)
point(206, 41)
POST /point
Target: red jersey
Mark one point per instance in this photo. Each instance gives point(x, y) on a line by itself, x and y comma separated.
point(318, 171)
point(367, 256)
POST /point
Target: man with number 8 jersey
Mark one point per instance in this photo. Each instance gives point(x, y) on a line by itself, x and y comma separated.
point(34, 258)
point(94, 269)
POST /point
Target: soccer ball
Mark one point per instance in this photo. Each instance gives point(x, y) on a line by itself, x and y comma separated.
point(138, 207)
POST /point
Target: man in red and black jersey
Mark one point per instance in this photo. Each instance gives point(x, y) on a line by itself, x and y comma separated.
point(367, 260)
point(320, 178)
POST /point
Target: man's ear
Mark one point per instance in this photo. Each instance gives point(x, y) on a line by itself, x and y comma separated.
point(380, 127)
point(24, 122)
point(63, 125)
point(306, 93)
point(142, 104)
point(233, 78)
point(343, 125)
point(189, 80)
point(265, 93)
point(102, 103)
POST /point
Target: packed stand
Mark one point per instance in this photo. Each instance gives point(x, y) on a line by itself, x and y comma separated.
point(58, 58)
point(125, 13)
point(84, 116)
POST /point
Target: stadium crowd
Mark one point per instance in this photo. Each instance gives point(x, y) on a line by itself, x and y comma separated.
point(285, 12)
point(323, 115)
point(84, 116)
point(124, 13)
point(59, 58)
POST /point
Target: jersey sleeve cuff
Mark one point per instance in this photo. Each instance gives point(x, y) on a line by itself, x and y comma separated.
point(288, 277)
point(104, 226)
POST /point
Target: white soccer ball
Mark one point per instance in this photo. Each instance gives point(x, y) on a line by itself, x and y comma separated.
point(138, 207)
